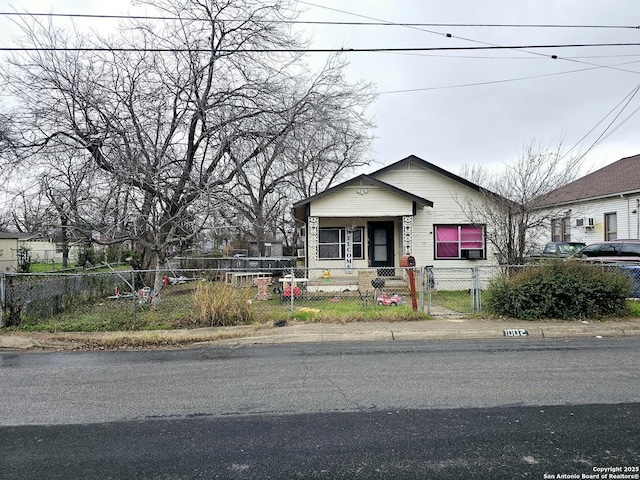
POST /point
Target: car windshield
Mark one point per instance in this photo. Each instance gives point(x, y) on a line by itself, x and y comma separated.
point(570, 248)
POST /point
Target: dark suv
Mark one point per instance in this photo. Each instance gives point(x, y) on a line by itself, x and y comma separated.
point(612, 251)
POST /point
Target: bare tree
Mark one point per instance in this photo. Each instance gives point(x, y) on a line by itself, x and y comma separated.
point(69, 184)
point(329, 140)
point(166, 111)
point(509, 206)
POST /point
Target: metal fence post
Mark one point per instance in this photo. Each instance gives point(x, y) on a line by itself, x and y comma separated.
point(135, 296)
point(430, 285)
point(292, 291)
point(422, 270)
point(475, 289)
point(2, 298)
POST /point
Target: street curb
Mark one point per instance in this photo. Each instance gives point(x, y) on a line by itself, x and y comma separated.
point(448, 329)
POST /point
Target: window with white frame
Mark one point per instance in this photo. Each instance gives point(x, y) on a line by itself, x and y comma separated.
point(332, 241)
point(460, 242)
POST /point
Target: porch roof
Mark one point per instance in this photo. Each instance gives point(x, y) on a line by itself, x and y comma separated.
point(301, 208)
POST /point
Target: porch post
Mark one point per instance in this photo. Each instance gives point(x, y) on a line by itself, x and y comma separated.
point(407, 234)
point(313, 233)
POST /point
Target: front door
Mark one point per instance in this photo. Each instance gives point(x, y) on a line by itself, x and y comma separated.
point(381, 246)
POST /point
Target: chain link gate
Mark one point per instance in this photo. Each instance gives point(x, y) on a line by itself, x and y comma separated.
point(453, 291)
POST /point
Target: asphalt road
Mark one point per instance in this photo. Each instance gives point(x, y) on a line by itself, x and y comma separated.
point(513, 408)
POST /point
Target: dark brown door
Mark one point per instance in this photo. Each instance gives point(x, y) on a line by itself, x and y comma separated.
point(381, 246)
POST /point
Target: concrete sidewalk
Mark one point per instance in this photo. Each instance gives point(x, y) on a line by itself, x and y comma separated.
point(447, 328)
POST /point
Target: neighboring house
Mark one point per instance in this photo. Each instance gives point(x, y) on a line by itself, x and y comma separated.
point(41, 250)
point(410, 207)
point(604, 205)
point(8, 252)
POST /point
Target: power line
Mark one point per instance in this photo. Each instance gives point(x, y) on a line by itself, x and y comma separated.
point(457, 37)
point(380, 23)
point(322, 50)
point(492, 82)
point(606, 133)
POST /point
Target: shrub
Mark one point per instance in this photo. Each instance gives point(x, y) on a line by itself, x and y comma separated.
point(560, 290)
point(220, 304)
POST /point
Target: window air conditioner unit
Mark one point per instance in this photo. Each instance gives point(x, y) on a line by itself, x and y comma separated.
point(300, 252)
point(472, 254)
point(585, 222)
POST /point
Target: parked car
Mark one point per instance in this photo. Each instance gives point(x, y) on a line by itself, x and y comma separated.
point(611, 251)
point(559, 250)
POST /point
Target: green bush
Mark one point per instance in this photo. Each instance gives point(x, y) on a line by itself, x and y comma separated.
point(560, 290)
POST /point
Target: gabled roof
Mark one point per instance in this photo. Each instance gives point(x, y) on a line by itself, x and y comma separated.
point(621, 177)
point(371, 180)
point(431, 166)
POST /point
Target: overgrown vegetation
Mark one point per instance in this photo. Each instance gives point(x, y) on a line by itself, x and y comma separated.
point(220, 304)
point(205, 304)
point(560, 290)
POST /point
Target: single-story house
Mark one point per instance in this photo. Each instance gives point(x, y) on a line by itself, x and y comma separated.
point(603, 205)
point(409, 208)
point(41, 249)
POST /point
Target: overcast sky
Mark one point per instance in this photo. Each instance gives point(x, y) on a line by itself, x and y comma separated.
point(476, 106)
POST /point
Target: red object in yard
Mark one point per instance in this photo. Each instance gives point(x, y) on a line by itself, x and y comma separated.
point(165, 280)
point(393, 300)
point(286, 293)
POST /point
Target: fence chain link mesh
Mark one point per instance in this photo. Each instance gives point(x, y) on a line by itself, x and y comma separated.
point(258, 295)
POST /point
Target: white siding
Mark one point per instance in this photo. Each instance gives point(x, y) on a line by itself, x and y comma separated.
point(346, 207)
point(447, 196)
point(347, 202)
point(628, 222)
point(8, 255)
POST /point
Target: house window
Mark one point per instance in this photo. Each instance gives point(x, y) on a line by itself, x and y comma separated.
point(331, 243)
point(460, 241)
point(610, 226)
point(561, 229)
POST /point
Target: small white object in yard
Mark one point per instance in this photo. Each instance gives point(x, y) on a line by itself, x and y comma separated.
point(598, 336)
point(584, 321)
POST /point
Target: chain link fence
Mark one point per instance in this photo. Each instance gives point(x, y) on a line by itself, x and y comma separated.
point(262, 294)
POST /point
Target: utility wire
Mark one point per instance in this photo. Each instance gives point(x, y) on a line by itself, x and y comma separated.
point(323, 50)
point(602, 137)
point(605, 134)
point(380, 23)
point(448, 35)
point(491, 82)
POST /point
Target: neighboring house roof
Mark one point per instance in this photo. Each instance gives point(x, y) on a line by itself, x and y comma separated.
point(10, 235)
point(356, 180)
point(619, 178)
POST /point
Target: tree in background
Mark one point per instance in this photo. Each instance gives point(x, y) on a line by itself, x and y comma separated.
point(329, 140)
point(169, 112)
point(508, 208)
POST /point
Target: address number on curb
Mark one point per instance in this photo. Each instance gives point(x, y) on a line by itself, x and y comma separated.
point(515, 332)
